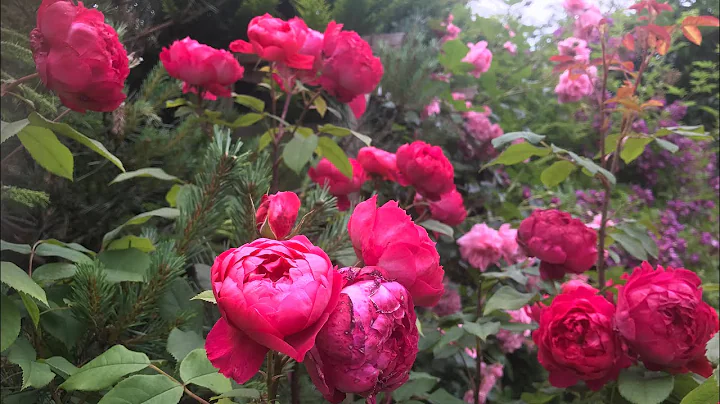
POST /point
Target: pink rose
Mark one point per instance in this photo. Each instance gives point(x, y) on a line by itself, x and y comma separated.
point(271, 295)
point(480, 56)
point(512, 341)
point(451, 30)
point(575, 7)
point(490, 374)
point(79, 57)
point(386, 237)
point(573, 88)
point(597, 222)
point(510, 250)
point(510, 47)
point(325, 173)
point(585, 26)
point(276, 40)
point(426, 168)
point(369, 343)
point(276, 215)
point(662, 316)
point(431, 109)
point(449, 209)
point(575, 47)
point(478, 125)
point(481, 246)
point(201, 67)
point(562, 244)
point(381, 163)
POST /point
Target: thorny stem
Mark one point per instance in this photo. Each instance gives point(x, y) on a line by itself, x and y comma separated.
point(9, 86)
point(274, 363)
point(294, 377)
point(187, 391)
point(478, 348)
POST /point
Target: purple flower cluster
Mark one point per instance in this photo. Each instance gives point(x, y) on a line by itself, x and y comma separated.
point(686, 159)
point(590, 200)
point(671, 245)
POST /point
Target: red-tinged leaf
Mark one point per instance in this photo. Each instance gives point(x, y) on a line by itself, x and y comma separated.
point(612, 100)
point(652, 103)
point(629, 42)
point(625, 91)
point(659, 7)
point(702, 21)
point(663, 47)
point(561, 58)
point(628, 65)
point(630, 104)
point(661, 32)
point(692, 33)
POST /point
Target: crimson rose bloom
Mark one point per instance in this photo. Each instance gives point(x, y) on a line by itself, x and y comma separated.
point(79, 57)
point(369, 343)
point(426, 168)
point(271, 295)
point(562, 244)
point(325, 173)
point(381, 163)
point(386, 237)
point(662, 316)
point(576, 339)
point(449, 209)
point(276, 215)
point(202, 67)
point(276, 40)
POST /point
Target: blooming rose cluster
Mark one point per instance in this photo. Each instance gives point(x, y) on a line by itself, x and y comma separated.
point(574, 84)
point(339, 185)
point(479, 56)
point(483, 246)
point(478, 125)
point(512, 341)
point(660, 319)
point(451, 30)
point(587, 18)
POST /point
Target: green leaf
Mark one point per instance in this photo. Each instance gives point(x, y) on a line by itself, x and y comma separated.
point(65, 130)
point(151, 172)
point(176, 300)
point(514, 274)
point(507, 298)
point(167, 213)
point(16, 278)
point(537, 397)
point(129, 265)
point(510, 136)
point(451, 335)
point(712, 348)
point(518, 153)
point(419, 387)
point(320, 105)
point(72, 246)
point(556, 173)
point(453, 53)
point(441, 396)
point(482, 330)
point(62, 325)
point(669, 146)
point(197, 369)
point(171, 196)
point(180, 343)
point(242, 393)
point(18, 248)
point(61, 366)
point(140, 243)
point(644, 387)
point(704, 394)
point(46, 150)
point(642, 236)
point(631, 245)
point(434, 225)
point(105, 370)
point(365, 139)
point(250, 102)
point(207, 296)
point(144, 389)
point(330, 150)
point(265, 139)
point(10, 129)
point(31, 307)
point(334, 130)
point(298, 151)
point(175, 103)
point(633, 148)
point(247, 120)
point(48, 249)
point(10, 320)
point(34, 374)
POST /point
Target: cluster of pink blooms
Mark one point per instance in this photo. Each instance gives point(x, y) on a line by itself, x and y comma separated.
point(451, 30)
point(483, 246)
point(587, 18)
point(512, 341)
point(490, 374)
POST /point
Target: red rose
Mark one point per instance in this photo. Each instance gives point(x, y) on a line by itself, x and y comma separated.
point(276, 40)
point(201, 67)
point(576, 339)
point(276, 215)
point(325, 173)
point(79, 57)
point(562, 244)
point(349, 69)
point(381, 163)
point(449, 209)
point(271, 295)
point(386, 237)
point(426, 168)
point(662, 316)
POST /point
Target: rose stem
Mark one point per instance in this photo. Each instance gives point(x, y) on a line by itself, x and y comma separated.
point(478, 348)
point(9, 86)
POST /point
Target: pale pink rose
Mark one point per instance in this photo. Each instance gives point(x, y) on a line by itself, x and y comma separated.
point(586, 25)
point(512, 341)
point(458, 96)
point(573, 89)
point(480, 56)
point(478, 125)
point(432, 109)
point(575, 47)
point(510, 249)
point(575, 7)
point(490, 374)
point(451, 30)
point(597, 222)
point(481, 246)
point(511, 47)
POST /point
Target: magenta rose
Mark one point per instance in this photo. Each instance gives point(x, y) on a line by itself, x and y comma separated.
point(381, 163)
point(79, 57)
point(426, 168)
point(326, 174)
point(271, 295)
point(662, 316)
point(480, 56)
point(563, 244)
point(576, 339)
point(386, 237)
point(276, 40)
point(449, 209)
point(369, 343)
point(276, 215)
point(202, 68)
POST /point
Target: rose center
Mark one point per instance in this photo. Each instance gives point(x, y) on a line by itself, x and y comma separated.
point(274, 270)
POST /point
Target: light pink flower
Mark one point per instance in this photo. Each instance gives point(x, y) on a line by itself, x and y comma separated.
point(510, 249)
point(481, 246)
point(480, 56)
point(575, 47)
point(432, 109)
point(490, 375)
point(586, 25)
point(451, 30)
point(575, 7)
point(512, 341)
point(573, 89)
point(511, 47)
point(478, 125)
point(597, 222)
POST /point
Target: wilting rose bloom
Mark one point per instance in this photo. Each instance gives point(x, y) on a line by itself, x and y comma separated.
point(575, 47)
point(369, 343)
point(449, 209)
point(201, 67)
point(386, 237)
point(276, 215)
point(426, 168)
point(450, 302)
point(325, 173)
point(662, 316)
point(510, 249)
point(573, 88)
point(481, 246)
point(381, 163)
point(480, 56)
point(276, 40)
point(562, 244)
point(79, 57)
point(490, 374)
point(510, 47)
point(512, 341)
point(271, 295)
point(432, 109)
point(576, 340)
point(575, 7)
point(451, 30)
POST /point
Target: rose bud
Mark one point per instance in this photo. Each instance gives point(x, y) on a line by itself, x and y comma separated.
point(326, 174)
point(576, 339)
point(276, 40)
point(449, 209)
point(662, 316)
point(426, 168)
point(79, 57)
point(562, 244)
point(369, 343)
point(271, 295)
point(386, 237)
point(276, 215)
point(381, 163)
